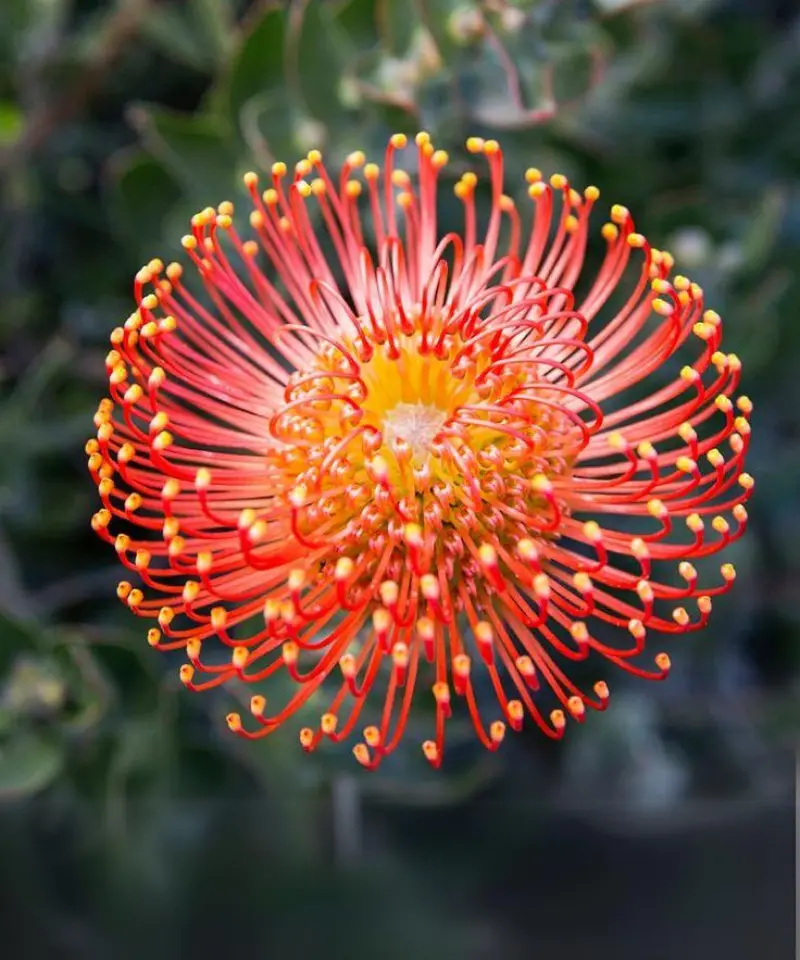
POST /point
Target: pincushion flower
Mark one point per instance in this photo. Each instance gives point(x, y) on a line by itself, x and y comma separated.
point(423, 466)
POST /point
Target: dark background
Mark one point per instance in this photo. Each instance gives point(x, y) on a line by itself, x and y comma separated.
point(131, 823)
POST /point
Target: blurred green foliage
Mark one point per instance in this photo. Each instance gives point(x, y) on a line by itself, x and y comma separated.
point(117, 121)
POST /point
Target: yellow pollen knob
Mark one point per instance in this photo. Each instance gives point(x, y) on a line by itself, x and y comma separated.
point(645, 591)
point(412, 534)
point(541, 586)
point(389, 592)
point(526, 549)
point(234, 722)
point(344, 568)
point(381, 620)
point(525, 666)
point(580, 632)
point(328, 723)
point(400, 654)
point(122, 542)
point(219, 618)
point(576, 706)
point(646, 450)
point(290, 652)
point(258, 705)
point(680, 616)
point(592, 531)
point(193, 648)
point(429, 586)
point(636, 628)
point(582, 582)
point(487, 555)
point(461, 665)
point(720, 524)
point(347, 664)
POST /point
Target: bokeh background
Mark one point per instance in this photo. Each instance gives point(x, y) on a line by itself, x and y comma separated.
point(131, 823)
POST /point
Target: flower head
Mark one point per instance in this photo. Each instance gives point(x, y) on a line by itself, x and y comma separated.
point(405, 457)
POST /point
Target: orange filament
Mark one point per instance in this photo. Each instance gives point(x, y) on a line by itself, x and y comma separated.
point(409, 466)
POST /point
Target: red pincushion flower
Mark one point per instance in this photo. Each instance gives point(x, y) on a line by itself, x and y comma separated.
point(409, 464)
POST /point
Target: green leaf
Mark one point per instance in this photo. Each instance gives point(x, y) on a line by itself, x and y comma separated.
point(170, 30)
point(268, 128)
point(13, 596)
point(51, 364)
point(141, 753)
point(10, 122)
point(523, 75)
point(196, 151)
point(257, 67)
point(28, 764)
point(398, 21)
point(316, 54)
point(437, 17)
point(760, 238)
point(34, 688)
point(17, 636)
point(196, 34)
point(23, 21)
point(141, 194)
point(358, 19)
point(214, 20)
